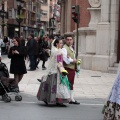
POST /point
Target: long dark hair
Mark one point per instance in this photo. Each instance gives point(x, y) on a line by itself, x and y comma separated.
point(17, 39)
point(56, 42)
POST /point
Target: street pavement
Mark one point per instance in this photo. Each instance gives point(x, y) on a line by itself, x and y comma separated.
point(91, 90)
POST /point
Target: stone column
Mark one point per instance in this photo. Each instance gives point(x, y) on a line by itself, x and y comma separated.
point(65, 16)
point(105, 10)
point(62, 20)
point(95, 12)
point(114, 14)
point(101, 59)
point(68, 16)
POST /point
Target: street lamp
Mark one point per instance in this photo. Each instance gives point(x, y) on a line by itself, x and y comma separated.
point(51, 25)
point(19, 18)
point(2, 15)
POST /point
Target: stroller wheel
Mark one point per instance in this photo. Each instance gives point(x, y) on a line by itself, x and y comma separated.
point(7, 99)
point(3, 97)
point(18, 98)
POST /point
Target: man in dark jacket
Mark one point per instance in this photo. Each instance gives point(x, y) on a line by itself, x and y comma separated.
point(32, 52)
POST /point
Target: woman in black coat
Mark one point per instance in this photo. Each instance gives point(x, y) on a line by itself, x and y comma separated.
point(17, 54)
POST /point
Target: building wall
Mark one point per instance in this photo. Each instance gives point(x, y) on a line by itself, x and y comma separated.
point(98, 41)
point(29, 14)
point(67, 24)
point(98, 32)
point(5, 19)
point(84, 13)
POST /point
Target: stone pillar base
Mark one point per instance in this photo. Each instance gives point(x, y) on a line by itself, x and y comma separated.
point(96, 62)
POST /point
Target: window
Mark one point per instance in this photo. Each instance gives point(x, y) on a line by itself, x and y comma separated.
point(51, 10)
point(10, 13)
point(44, 13)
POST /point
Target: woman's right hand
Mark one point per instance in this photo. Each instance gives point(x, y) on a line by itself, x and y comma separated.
point(74, 61)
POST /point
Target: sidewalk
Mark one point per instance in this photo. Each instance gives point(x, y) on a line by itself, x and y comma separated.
point(90, 84)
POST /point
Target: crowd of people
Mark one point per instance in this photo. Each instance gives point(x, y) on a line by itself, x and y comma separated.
point(62, 56)
point(57, 85)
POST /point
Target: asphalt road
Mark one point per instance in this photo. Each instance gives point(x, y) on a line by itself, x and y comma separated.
point(32, 109)
point(90, 94)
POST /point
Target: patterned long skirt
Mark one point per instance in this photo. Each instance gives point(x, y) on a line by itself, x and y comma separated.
point(48, 90)
point(111, 111)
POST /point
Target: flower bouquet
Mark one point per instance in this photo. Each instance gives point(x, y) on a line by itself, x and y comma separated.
point(63, 75)
point(64, 72)
point(78, 67)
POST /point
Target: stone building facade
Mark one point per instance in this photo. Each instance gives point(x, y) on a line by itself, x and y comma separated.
point(99, 39)
point(30, 13)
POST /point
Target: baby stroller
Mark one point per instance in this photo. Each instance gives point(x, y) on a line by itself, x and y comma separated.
point(5, 85)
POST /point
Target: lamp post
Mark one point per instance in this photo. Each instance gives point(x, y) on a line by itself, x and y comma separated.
point(52, 26)
point(2, 15)
point(19, 19)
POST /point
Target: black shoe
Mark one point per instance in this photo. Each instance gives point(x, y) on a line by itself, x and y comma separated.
point(46, 102)
point(37, 67)
point(39, 80)
point(44, 68)
point(60, 105)
point(71, 102)
point(31, 69)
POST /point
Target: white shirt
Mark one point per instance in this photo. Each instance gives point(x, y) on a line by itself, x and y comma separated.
point(2, 44)
point(67, 59)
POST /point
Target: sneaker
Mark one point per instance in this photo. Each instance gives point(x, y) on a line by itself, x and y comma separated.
point(31, 69)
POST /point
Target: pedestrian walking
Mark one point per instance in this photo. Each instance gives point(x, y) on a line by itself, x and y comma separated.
point(17, 66)
point(10, 43)
point(53, 88)
point(111, 108)
point(32, 52)
point(6, 41)
point(37, 54)
point(2, 45)
point(44, 51)
point(69, 64)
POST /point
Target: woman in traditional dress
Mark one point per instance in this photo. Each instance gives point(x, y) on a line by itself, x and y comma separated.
point(111, 109)
point(55, 86)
